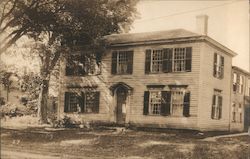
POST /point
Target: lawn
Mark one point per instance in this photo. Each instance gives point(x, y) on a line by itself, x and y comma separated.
point(105, 142)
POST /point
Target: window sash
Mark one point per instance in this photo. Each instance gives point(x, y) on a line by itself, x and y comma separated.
point(177, 102)
point(179, 60)
point(155, 101)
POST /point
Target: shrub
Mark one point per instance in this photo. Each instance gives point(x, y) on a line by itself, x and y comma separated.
point(66, 122)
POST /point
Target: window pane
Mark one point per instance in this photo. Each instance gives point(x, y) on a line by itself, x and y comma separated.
point(177, 102)
point(179, 59)
point(156, 61)
point(155, 102)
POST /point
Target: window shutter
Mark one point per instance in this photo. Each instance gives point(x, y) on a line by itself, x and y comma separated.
point(114, 63)
point(146, 103)
point(130, 62)
point(213, 108)
point(186, 105)
point(167, 60)
point(147, 61)
point(82, 101)
point(66, 101)
point(220, 106)
point(215, 63)
point(96, 102)
point(165, 104)
point(222, 66)
point(188, 59)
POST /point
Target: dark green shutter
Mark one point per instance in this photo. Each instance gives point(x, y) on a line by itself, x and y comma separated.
point(147, 61)
point(166, 102)
point(213, 108)
point(188, 59)
point(167, 60)
point(66, 101)
point(96, 102)
point(222, 66)
point(186, 106)
point(220, 106)
point(130, 55)
point(146, 103)
point(82, 102)
point(114, 63)
point(215, 63)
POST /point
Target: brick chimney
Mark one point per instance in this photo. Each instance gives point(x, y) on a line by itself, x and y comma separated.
point(202, 24)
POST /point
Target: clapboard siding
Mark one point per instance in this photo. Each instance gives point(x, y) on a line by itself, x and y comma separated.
point(239, 98)
point(200, 81)
point(207, 85)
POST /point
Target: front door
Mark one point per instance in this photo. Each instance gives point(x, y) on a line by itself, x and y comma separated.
point(121, 94)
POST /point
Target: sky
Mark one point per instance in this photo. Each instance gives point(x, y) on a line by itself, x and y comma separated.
point(228, 21)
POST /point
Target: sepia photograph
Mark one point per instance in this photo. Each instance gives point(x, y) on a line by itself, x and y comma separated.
point(124, 79)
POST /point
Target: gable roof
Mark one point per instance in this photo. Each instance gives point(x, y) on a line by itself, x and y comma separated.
point(149, 36)
point(168, 36)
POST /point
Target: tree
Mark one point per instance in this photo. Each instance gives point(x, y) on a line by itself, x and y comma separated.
point(57, 25)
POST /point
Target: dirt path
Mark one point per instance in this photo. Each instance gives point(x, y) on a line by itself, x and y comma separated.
point(214, 138)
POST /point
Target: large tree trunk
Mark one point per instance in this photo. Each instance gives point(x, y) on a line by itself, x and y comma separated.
point(42, 102)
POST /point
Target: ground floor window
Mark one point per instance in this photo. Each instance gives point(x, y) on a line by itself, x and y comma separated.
point(82, 102)
point(175, 102)
point(216, 112)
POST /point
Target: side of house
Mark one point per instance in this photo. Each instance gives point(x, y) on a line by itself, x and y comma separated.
point(240, 103)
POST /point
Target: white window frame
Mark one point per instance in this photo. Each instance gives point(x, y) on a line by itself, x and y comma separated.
point(216, 106)
point(155, 104)
point(175, 103)
point(158, 62)
point(179, 60)
point(218, 66)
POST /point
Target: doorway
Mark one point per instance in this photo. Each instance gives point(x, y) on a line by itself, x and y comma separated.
point(121, 96)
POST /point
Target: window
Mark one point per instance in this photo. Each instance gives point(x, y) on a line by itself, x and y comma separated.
point(175, 102)
point(238, 83)
point(241, 84)
point(233, 112)
point(218, 66)
point(179, 59)
point(81, 64)
point(217, 105)
point(83, 102)
point(155, 102)
point(168, 60)
point(156, 59)
point(122, 62)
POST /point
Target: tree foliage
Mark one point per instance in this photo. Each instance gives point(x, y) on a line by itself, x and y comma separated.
point(57, 26)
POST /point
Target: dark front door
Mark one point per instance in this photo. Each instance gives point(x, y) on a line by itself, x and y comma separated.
point(121, 105)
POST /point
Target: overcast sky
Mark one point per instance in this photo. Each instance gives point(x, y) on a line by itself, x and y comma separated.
point(228, 21)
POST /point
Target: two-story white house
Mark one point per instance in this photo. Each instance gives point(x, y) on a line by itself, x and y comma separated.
point(168, 79)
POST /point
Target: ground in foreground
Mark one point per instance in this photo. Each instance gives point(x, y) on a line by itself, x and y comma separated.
point(118, 143)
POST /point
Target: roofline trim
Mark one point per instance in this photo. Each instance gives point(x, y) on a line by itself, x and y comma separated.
point(174, 40)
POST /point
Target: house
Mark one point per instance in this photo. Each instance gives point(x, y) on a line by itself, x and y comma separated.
point(240, 96)
point(167, 79)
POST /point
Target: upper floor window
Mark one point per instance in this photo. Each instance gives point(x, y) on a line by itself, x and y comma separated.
point(168, 60)
point(122, 62)
point(82, 102)
point(175, 102)
point(81, 64)
point(218, 66)
point(238, 83)
point(216, 112)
